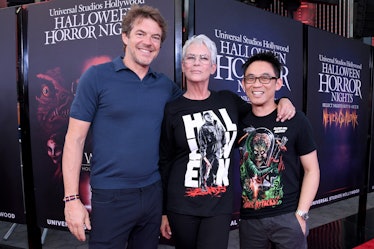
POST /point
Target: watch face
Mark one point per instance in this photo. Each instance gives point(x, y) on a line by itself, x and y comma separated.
point(305, 216)
point(302, 214)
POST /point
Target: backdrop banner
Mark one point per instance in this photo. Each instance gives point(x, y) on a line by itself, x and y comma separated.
point(371, 170)
point(251, 30)
point(338, 106)
point(65, 38)
point(11, 204)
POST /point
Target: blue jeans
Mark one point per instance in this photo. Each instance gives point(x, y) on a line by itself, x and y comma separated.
point(282, 230)
point(126, 216)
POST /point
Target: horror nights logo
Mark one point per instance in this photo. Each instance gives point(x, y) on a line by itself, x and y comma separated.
point(341, 80)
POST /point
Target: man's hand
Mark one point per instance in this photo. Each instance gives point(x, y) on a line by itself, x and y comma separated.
point(165, 227)
point(302, 223)
point(286, 110)
point(77, 219)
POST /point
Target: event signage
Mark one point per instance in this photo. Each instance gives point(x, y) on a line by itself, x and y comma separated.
point(371, 166)
point(338, 100)
point(371, 174)
point(11, 204)
point(251, 30)
point(65, 38)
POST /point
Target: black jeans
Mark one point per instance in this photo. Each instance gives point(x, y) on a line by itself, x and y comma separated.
point(195, 232)
point(284, 230)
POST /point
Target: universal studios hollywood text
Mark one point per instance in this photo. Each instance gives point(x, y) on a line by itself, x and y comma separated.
point(234, 49)
point(92, 21)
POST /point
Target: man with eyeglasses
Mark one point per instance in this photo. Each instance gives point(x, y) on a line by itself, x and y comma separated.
point(276, 192)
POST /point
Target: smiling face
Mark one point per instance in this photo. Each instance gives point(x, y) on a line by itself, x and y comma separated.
point(258, 93)
point(142, 43)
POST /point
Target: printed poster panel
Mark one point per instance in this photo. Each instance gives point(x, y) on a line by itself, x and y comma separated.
point(371, 170)
point(371, 176)
point(371, 179)
point(65, 38)
point(11, 204)
point(338, 107)
point(249, 31)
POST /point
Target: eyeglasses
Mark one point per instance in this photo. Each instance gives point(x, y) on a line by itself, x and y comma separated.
point(191, 59)
point(263, 79)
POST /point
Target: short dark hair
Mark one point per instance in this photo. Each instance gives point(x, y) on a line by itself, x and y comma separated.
point(142, 12)
point(267, 57)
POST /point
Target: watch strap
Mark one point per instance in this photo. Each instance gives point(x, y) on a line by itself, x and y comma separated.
point(302, 214)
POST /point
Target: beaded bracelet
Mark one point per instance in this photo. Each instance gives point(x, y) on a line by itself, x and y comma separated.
point(70, 198)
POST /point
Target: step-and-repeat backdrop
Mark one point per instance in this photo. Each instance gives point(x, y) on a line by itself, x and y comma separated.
point(11, 204)
point(66, 37)
point(338, 105)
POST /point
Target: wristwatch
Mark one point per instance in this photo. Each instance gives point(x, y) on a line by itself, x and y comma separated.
point(302, 214)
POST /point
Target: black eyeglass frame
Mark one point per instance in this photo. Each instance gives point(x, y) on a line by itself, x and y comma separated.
point(263, 79)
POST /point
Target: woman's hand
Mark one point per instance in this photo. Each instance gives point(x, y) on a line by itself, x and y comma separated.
point(165, 227)
point(286, 110)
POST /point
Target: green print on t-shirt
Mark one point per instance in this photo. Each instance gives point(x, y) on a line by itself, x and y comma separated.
point(260, 168)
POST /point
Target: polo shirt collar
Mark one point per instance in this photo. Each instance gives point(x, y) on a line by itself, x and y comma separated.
point(119, 65)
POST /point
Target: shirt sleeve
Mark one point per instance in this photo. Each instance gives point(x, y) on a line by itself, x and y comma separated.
point(85, 101)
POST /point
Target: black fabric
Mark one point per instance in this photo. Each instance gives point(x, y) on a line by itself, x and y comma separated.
point(277, 175)
point(181, 155)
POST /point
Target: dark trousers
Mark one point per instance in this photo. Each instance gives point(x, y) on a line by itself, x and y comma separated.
point(283, 231)
point(194, 232)
point(123, 217)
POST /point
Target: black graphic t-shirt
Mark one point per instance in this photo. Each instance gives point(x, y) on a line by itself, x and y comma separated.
point(270, 169)
point(195, 153)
